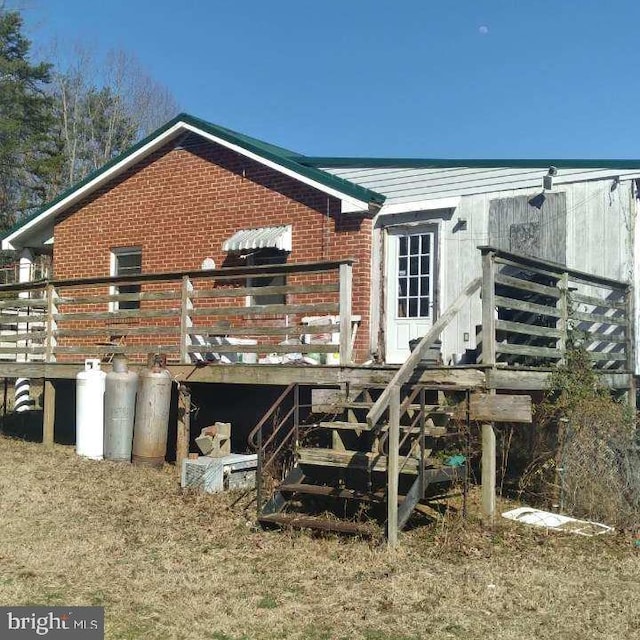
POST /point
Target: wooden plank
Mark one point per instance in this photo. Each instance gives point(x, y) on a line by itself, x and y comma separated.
point(279, 374)
point(490, 407)
point(269, 309)
point(529, 307)
point(295, 521)
point(527, 329)
point(49, 413)
point(488, 355)
point(523, 264)
point(264, 348)
point(225, 273)
point(20, 303)
point(604, 338)
point(525, 350)
point(354, 460)
point(127, 349)
point(488, 489)
point(121, 297)
point(598, 319)
point(527, 285)
point(183, 434)
point(230, 292)
point(251, 331)
point(28, 349)
point(608, 356)
point(52, 308)
point(346, 274)
point(598, 302)
point(393, 469)
point(28, 319)
point(553, 269)
point(186, 322)
point(28, 335)
point(406, 371)
point(117, 315)
point(563, 321)
point(119, 330)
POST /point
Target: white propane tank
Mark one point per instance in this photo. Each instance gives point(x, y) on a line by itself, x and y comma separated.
point(90, 385)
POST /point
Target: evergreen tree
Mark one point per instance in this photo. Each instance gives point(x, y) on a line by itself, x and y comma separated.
point(28, 155)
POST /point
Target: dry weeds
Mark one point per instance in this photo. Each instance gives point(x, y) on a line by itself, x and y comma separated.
point(170, 565)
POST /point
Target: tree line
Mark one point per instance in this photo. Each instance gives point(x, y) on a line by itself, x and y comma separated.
point(58, 123)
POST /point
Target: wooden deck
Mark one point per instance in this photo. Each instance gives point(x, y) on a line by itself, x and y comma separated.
point(210, 329)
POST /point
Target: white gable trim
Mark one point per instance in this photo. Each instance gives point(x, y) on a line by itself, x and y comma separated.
point(349, 204)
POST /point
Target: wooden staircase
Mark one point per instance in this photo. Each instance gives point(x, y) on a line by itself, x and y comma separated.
point(338, 480)
point(369, 460)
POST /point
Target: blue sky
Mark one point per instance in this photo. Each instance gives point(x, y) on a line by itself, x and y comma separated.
point(415, 78)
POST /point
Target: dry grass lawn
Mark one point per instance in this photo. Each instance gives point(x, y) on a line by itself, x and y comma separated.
point(170, 565)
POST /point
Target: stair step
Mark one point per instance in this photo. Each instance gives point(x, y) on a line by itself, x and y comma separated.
point(355, 460)
point(432, 432)
point(329, 492)
point(343, 424)
point(319, 524)
point(429, 408)
point(432, 476)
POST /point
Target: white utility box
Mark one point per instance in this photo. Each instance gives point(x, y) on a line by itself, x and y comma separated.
point(229, 473)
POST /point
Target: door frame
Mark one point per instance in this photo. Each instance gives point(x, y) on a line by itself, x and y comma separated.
point(430, 226)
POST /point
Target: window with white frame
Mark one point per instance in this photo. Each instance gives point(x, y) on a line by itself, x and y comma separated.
point(126, 261)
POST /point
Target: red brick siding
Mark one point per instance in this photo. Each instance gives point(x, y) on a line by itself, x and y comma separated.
point(180, 205)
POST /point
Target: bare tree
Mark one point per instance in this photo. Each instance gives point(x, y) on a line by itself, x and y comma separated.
point(104, 106)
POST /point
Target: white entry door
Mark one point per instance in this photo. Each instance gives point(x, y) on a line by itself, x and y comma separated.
point(410, 281)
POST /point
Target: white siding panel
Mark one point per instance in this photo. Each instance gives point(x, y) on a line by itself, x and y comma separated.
point(407, 184)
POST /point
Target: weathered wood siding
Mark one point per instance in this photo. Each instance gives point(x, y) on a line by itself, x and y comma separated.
point(599, 237)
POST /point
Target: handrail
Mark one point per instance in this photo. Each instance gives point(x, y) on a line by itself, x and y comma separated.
point(555, 267)
point(251, 439)
point(223, 273)
point(407, 369)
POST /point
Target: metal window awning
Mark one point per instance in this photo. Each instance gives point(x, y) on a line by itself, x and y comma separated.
point(261, 238)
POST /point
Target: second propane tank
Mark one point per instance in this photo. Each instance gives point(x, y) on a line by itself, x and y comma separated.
point(119, 409)
point(152, 415)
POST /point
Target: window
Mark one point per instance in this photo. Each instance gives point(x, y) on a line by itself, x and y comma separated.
point(266, 257)
point(126, 262)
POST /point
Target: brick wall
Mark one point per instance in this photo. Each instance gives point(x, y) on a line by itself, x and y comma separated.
point(181, 203)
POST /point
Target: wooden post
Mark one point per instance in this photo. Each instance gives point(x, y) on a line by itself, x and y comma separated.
point(346, 285)
point(488, 473)
point(50, 324)
point(183, 436)
point(393, 461)
point(488, 308)
point(49, 413)
point(185, 320)
point(563, 321)
point(630, 333)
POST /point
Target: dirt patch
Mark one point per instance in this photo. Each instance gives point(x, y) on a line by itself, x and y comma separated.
point(168, 564)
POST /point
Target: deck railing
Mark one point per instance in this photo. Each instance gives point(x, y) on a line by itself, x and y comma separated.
point(195, 317)
point(531, 308)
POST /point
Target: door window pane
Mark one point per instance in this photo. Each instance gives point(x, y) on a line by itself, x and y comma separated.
point(415, 286)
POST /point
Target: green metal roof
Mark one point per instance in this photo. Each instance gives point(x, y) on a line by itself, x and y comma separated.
point(279, 155)
point(431, 163)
